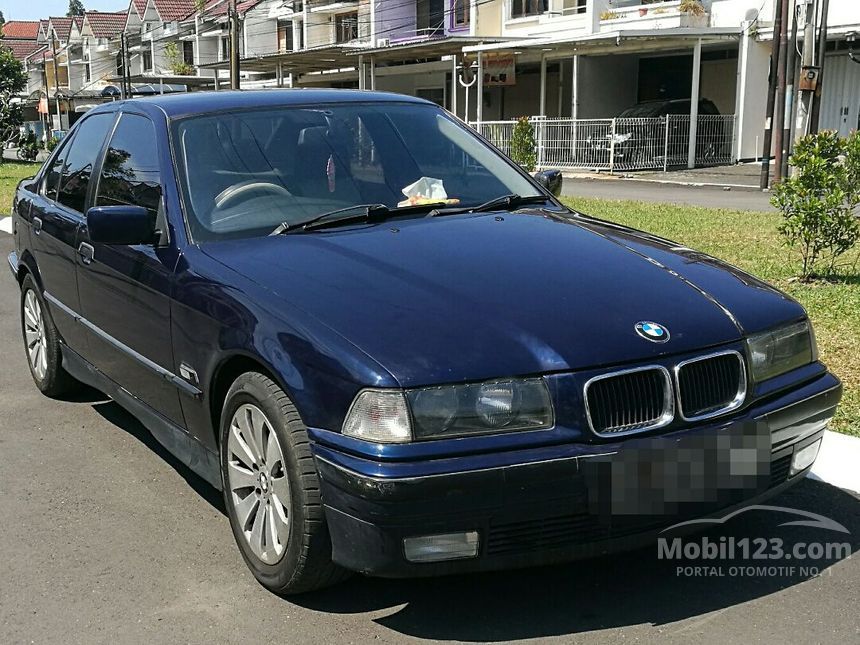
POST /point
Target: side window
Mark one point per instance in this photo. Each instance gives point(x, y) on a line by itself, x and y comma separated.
point(52, 175)
point(130, 174)
point(80, 159)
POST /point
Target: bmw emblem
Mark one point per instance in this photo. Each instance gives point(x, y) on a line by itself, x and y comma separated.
point(652, 331)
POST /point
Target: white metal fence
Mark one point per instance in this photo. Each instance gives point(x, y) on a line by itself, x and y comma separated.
point(623, 143)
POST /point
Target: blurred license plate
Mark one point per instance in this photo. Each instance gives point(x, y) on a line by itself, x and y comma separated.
point(675, 475)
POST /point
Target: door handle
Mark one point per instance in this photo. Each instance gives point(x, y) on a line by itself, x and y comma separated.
point(37, 225)
point(87, 253)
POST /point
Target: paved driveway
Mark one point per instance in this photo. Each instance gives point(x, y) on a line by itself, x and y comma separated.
point(105, 538)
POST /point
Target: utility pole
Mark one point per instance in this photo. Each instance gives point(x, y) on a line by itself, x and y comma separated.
point(234, 46)
point(779, 146)
point(771, 99)
point(807, 64)
point(122, 87)
point(56, 82)
point(790, 90)
point(815, 113)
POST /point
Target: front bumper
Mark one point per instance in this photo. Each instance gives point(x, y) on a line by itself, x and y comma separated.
point(538, 506)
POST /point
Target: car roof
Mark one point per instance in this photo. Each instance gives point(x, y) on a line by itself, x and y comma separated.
point(185, 104)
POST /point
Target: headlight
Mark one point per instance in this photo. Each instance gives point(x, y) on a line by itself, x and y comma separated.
point(782, 350)
point(388, 416)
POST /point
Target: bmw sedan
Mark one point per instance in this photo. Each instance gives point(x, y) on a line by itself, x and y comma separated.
point(393, 350)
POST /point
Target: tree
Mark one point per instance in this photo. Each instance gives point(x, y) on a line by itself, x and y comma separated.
point(2, 18)
point(76, 8)
point(523, 145)
point(819, 199)
point(13, 81)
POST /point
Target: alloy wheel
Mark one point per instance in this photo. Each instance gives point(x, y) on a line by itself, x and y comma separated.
point(258, 483)
point(34, 335)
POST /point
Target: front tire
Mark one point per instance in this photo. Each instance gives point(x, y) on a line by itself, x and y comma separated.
point(42, 344)
point(271, 489)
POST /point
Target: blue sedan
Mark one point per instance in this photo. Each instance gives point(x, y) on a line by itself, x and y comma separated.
point(392, 349)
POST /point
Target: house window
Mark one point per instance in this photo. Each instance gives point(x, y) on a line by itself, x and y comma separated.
point(430, 16)
point(285, 36)
point(120, 65)
point(225, 48)
point(188, 52)
point(461, 13)
point(525, 8)
point(147, 61)
point(574, 7)
point(87, 72)
point(346, 27)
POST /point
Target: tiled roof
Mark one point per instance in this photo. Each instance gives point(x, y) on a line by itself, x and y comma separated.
point(140, 6)
point(39, 53)
point(170, 10)
point(106, 24)
point(62, 27)
point(23, 29)
point(216, 8)
point(21, 49)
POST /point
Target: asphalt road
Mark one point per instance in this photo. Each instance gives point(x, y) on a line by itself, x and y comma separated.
point(735, 199)
point(106, 539)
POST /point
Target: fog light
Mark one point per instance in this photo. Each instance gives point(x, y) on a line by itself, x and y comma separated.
point(805, 457)
point(435, 548)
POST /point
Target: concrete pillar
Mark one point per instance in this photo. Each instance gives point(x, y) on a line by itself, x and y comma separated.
point(479, 99)
point(454, 85)
point(543, 84)
point(694, 104)
point(574, 89)
point(372, 73)
point(361, 72)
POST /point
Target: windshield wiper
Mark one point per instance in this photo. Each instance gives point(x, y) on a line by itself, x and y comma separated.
point(367, 213)
point(505, 202)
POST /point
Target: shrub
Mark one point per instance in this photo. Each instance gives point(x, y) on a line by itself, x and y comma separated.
point(51, 143)
point(692, 7)
point(523, 146)
point(818, 201)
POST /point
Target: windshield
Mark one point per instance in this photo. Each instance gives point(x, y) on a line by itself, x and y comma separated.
point(245, 173)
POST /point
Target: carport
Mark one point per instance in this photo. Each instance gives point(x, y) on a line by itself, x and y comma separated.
point(614, 43)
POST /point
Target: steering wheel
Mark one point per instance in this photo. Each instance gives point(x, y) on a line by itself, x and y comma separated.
point(230, 194)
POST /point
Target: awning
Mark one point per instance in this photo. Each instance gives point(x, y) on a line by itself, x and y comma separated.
point(345, 56)
point(432, 48)
point(315, 59)
point(613, 42)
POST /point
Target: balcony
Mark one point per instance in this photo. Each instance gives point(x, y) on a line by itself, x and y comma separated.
point(651, 15)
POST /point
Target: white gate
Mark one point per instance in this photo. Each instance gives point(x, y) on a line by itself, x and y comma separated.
point(621, 144)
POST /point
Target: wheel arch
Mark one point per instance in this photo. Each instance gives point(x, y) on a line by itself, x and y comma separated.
point(225, 374)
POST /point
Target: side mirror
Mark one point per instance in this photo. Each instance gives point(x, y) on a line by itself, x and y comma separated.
point(120, 225)
point(552, 180)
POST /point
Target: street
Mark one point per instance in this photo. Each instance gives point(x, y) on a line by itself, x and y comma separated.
point(655, 191)
point(106, 538)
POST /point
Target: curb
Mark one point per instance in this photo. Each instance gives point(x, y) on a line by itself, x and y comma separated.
point(838, 461)
point(666, 182)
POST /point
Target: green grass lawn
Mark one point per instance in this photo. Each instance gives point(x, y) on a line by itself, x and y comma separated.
point(746, 239)
point(10, 174)
point(750, 241)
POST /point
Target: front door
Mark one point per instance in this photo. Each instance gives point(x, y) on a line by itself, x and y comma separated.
point(56, 216)
point(125, 290)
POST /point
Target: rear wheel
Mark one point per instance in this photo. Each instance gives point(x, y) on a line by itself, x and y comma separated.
point(271, 489)
point(42, 344)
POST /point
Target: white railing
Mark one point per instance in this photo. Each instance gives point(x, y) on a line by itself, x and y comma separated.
point(621, 144)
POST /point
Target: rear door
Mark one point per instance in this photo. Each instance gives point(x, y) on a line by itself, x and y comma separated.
point(125, 291)
point(57, 214)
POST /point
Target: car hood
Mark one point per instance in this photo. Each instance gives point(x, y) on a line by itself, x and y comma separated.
point(469, 297)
